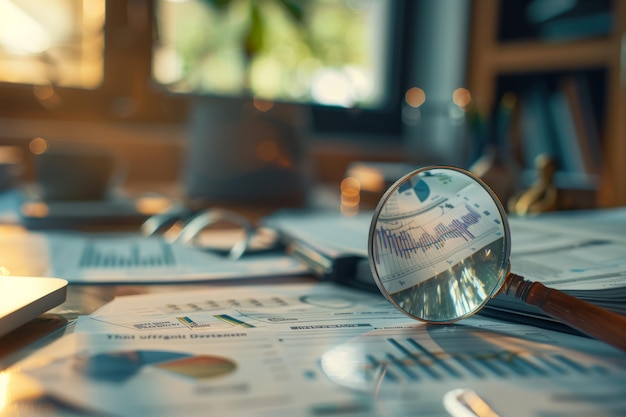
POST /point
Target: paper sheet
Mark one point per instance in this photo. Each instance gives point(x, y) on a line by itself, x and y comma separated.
point(569, 256)
point(579, 252)
point(317, 349)
point(132, 258)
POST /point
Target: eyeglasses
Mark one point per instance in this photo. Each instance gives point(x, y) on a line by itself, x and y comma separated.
point(215, 229)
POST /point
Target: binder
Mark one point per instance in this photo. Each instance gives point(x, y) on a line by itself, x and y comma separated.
point(332, 245)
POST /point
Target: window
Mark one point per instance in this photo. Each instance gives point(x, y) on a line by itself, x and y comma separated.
point(343, 57)
point(81, 60)
point(129, 60)
point(315, 51)
point(59, 42)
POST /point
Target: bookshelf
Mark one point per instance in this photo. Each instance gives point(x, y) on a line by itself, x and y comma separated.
point(500, 62)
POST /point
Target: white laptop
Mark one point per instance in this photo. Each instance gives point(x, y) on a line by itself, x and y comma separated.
point(25, 298)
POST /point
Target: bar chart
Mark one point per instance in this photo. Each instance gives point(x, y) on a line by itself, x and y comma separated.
point(131, 254)
point(397, 359)
point(408, 359)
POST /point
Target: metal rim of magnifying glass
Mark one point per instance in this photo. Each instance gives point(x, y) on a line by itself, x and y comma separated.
point(505, 267)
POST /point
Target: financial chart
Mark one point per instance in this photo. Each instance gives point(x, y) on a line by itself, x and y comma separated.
point(152, 254)
point(505, 366)
point(123, 366)
point(405, 359)
point(422, 231)
point(335, 355)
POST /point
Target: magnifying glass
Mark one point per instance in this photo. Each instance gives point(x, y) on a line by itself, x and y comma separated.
point(439, 246)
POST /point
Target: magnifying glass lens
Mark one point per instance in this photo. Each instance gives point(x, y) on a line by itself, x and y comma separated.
point(439, 244)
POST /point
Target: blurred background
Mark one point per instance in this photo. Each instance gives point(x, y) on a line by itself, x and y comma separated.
point(267, 101)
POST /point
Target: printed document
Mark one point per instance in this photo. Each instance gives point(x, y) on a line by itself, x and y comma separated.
point(131, 258)
point(314, 349)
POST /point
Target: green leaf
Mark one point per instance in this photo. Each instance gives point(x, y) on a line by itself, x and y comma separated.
point(294, 9)
point(255, 38)
point(219, 4)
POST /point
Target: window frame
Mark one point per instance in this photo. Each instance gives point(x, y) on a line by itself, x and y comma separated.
point(126, 93)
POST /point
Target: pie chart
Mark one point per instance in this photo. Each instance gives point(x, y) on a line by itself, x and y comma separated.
point(120, 366)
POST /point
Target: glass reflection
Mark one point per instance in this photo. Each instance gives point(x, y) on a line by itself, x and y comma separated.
point(439, 244)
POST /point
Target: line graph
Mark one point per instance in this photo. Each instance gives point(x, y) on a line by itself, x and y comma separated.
point(419, 235)
point(414, 249)
point(405, 241)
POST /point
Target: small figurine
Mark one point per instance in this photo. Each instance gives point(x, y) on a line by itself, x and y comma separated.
point(542, 196)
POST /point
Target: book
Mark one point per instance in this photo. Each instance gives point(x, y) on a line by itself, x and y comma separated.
point(536, 126)
point(575, 89)
point(571, 156)
point(570, 20)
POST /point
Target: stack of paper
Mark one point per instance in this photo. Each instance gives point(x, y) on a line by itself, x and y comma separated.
point(580, 253)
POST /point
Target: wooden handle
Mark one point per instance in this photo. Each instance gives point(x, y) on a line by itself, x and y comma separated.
point(583, 316)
